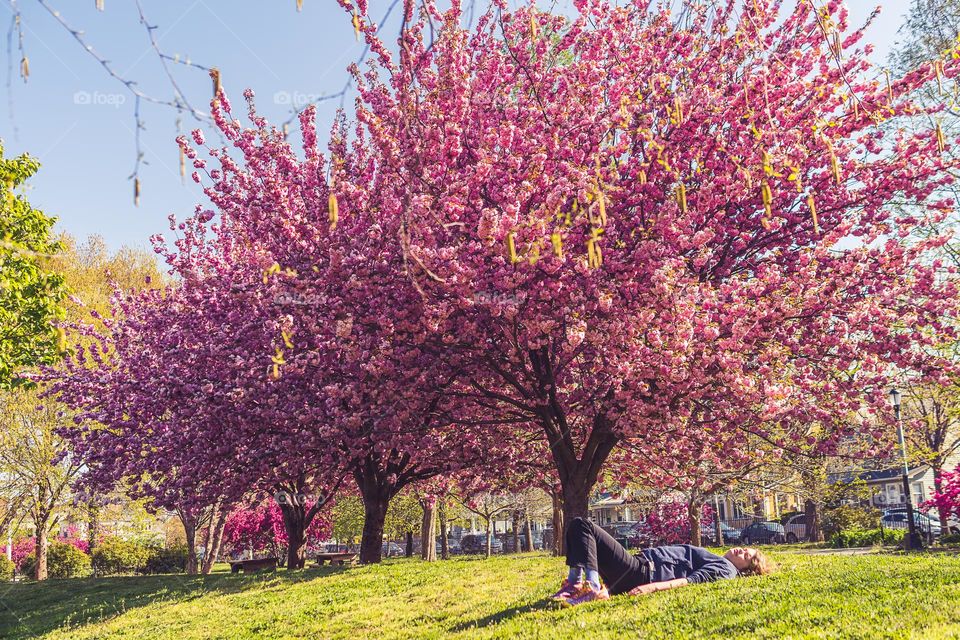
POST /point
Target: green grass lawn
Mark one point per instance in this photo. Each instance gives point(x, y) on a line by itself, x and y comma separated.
point(812, 596)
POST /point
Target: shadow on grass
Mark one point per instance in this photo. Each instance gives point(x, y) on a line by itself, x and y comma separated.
point(31, 609)
point(506, 614)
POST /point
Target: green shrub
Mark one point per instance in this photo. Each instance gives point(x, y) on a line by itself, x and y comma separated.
point(847, 517)
point(29, 565)
point(6, 568)
point(857, 537)
point(66, 561)
point(166, 560)
point(950, 538)
point(63, 561)
point(116, 555)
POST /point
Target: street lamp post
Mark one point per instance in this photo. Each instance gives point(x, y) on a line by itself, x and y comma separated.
point(913, 540)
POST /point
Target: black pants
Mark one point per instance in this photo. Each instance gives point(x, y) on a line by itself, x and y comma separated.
point(590, 547)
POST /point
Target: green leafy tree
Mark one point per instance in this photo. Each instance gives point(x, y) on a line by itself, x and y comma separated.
point(30, 293)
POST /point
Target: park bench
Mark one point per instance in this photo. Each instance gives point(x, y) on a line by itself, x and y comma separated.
point(252, 565)
point(335, 558)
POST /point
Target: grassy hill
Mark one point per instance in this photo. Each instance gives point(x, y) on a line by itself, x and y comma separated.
point(812, 596)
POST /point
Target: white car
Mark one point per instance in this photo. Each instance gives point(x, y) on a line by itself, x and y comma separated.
point(796, 528)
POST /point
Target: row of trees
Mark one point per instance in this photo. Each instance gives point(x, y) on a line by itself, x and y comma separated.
point(628, 244)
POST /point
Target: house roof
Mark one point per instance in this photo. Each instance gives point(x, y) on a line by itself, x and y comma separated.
point(880, 475)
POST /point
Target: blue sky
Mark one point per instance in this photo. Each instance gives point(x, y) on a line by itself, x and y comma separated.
point(80, 122)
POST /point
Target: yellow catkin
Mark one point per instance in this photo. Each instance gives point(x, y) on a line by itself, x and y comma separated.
point(834, 163)
point(183, 163)
point(534, 26)
point(602, 205)
point(767, 164)
point(813, 213)
point(25, 67)
point(278, 359)
point(333, 210)
point(286, 131)
point(767, 198)
point(941, 140)
point(889, 85)
point(286, 339)
point(356, 26)
point(276, 372)
point(557, 243)
point(512, 248)
point(534, 256)
point(749, 179)
point(678, 107)
point(938, 70)
point(61, 339)
point(299, 5)
point(99, 5)
point(642, 177)
point(215, 77)
point(682, 198)
point(136, 192)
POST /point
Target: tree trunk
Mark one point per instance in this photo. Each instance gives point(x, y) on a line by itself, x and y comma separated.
point(408, 552)
point(93, 525)
point(694, 514)
point(444, 545)
point(295, 526)
point(428, 532)
point(515, 534)
point(576, 500)
point(374, 515)
point(218, 521)
point(718, 530)
point(190, 532)
point(814, 530)
point(42, 524)
point(489, 536)
point(558, 538)
point(938, 487)
point(529, 531)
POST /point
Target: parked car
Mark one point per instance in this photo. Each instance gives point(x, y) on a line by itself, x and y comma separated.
point(477, 543)
point(622, 532)
point(453, 546)
point(796, 527)
point(897, 519)
point(730, 535)
point(391, 550)
point(763, 532)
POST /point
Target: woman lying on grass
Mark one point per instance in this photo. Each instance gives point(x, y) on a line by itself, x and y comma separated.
point(593, 552)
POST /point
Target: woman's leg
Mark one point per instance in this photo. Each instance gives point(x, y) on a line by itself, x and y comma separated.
point(590, 547)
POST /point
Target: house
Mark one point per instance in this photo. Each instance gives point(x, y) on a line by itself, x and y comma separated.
point(886, 485)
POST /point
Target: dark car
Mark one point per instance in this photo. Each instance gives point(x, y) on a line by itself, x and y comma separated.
point(897, 519)
point(730, 535)
point(764, 532)
point(477, 543)
point(622, 532)
point(453, 547)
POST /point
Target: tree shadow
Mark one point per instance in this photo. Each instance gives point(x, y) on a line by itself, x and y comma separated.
point(506, 614)
point(32, 609)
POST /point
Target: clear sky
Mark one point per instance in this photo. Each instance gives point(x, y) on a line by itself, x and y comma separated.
point(80, 122)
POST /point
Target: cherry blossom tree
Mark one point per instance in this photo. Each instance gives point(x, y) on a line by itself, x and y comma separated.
point(618, 217)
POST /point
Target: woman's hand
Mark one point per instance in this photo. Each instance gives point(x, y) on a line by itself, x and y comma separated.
point(643, 589)
point(650, 587)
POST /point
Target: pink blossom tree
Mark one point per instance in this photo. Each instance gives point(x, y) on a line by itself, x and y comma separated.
point(617, 218)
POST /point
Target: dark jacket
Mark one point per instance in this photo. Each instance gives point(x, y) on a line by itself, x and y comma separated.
point(696, 564)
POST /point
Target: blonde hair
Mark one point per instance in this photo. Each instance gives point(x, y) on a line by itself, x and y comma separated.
point(760, 565)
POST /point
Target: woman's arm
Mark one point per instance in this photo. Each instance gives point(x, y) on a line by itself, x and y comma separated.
point(650, 587)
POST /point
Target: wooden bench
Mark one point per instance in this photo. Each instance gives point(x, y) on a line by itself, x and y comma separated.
point(335, 558)
point(252, 565)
